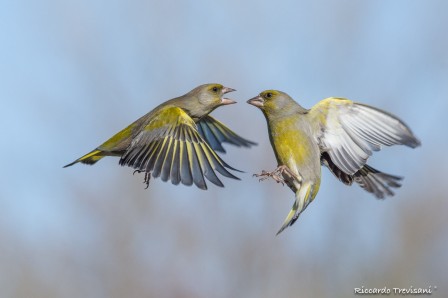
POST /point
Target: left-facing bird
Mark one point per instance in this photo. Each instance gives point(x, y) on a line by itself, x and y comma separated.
point(176, 141)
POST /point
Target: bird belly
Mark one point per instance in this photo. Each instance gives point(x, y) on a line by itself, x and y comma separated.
point(295, 149)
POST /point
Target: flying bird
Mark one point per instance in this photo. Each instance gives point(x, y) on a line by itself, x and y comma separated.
point(176, 141)
point(337, 133)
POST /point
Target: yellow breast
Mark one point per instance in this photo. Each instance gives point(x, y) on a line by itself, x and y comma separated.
point(294, 146)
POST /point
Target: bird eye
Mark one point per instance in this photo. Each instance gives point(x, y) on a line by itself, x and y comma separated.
point(215, 89)
point(268, 95)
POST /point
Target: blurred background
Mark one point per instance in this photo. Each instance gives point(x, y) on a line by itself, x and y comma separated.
point(73, 73)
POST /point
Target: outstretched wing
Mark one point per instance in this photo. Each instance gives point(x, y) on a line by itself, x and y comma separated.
point(216, 133)
point(170, 146)
point(350, 131)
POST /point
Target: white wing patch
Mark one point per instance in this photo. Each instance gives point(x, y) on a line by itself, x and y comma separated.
point(352, 131)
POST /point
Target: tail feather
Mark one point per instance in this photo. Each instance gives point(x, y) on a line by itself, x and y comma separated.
point(89, 159)
point(303, 198)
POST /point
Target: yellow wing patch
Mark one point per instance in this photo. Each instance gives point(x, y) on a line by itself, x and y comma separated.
point(170, 116)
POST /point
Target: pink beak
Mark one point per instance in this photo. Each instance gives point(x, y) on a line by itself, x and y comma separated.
point(257, 101)
point(227, 101)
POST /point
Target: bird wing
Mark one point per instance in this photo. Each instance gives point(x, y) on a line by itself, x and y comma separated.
point(216, 133)
point(171, 147)
point(378, 183)
point(350, 131)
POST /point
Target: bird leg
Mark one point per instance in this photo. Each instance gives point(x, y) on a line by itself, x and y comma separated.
point(266, 175)
point(147, 177)
point(278, 175)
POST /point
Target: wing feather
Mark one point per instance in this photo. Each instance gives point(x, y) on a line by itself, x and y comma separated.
point(185, 170)
point(147, 164)
point(218, 164)
point(350, 131)
point(167, 163)
point(171, 147)
point(205, 165)
point(210, 137)
point(175, 164)
point(160, 158)
point(215, 133)
point(198, 176)
point(373, 181)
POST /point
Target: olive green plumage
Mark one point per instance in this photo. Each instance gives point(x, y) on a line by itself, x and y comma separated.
point(337, 133)
point(176, 141)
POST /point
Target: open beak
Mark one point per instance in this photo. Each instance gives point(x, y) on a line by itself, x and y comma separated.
point(257, 101)
point(227, 101)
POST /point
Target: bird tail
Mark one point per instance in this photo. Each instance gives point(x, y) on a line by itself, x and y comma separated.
point(89, 159)
point(304, 196)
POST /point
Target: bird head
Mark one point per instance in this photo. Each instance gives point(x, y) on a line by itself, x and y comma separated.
point(205, 98)
point(212, 95)
point(271, 102)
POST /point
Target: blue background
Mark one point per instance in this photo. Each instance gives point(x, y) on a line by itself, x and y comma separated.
point(75, 72)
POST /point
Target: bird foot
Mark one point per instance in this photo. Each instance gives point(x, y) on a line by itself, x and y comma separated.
point(147, 177)
point(279, 175)
point(266, 175)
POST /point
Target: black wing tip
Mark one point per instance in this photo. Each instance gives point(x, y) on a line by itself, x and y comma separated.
point(123, 162)
point(413, 143)
point(220, 149)
point(232, 168)
point(391, 180)
point(201, 186)
point(248, 144)
point(242, 142)
point(217, 184)
point(227, 174)
point(251, 143)
point(236, 178)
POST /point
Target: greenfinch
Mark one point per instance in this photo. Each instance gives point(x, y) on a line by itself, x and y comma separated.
point(176, 141)
point(337, 133)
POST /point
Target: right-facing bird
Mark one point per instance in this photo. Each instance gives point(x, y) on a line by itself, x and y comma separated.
point(336, 132)
point(176, 141)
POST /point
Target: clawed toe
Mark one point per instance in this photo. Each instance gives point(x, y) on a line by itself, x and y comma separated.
point(274, 175)
point(279, 175)
point(146, 179)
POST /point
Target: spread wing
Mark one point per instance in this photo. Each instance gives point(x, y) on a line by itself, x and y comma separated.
point(350, 131)
point(216, 133)
point(170, 146)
